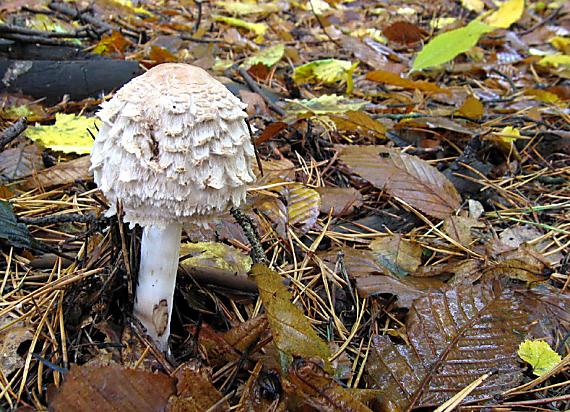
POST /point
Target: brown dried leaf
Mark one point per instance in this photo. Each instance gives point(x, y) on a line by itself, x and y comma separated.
point(405, 289)
point(403, 32)
point(245, 334)
point(318, 389)
point(459, 228)
point(270, 131)
point(342, 200)
point(472, 108)
point(292, 332)
point(195, 391)
point(282, 169)
point(394, 79)
point(10, 340)
point(357, 262)
point(60, 174)
point(396, 254)
point(456, 336)
point(524, 264)
point(361, 123)
point(407, 177)
point(215, 345)
point(20, 161)
point(112, 389)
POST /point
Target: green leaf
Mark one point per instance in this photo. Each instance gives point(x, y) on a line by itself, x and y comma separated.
point(539, 355)
point(325, 104)
point(268, 56)
point(16, 234)
point(69, 134)
point(446, 46)
point(326, 71)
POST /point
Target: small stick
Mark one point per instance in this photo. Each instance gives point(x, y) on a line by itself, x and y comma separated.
point(10, 28)
point(255, 88)
point(13, 131)
point(67, 218)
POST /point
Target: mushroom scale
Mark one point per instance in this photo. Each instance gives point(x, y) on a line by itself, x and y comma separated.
point(173, 147)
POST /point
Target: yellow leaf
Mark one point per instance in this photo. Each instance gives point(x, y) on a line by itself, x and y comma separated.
point(242, 9)
point(508, 13)
point(69, 134)
point(382, 76)
point(539, 355)
point(326, 71)
point(268, 56)
point(472, 108)
point(129, 4)
point(258, 28)
point(325, 104)
point(561, 43)
point(473, 5)
point(543, 95)
point(555, 60)
point(509, 134)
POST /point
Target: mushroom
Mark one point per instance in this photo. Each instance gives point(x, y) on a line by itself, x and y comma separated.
point(174, 148)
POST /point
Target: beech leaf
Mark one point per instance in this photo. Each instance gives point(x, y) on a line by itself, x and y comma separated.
point(455, 337)
point(407, 177)
point(508, 13)
point(68, 135)
point(446, 46)
point(382, 76)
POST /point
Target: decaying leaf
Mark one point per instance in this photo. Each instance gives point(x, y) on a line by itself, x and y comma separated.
point(341, 200)
point(215, 256)
point(315, 387)
point(16, 234)
point(523, 263)
point(407, 177)
point(20, 162)
point(396, 254)
point(10, 340)
point(459, 228)
point(69, 134)
point(112, 389)
point(403, 32)
point(61, 174)
point(472, 108)
point(195, 391)
point(326, 71)
point(360, 122)
point(406, 290)
point(455, 336)
point(325, 104)
point(539, 355)
point(292, 332)
point(394, 79)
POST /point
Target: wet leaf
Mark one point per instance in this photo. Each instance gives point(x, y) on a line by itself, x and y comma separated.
point(455, 337)
point(508, 13)
point(396, 254)
point(112, 389)
point(316, 388)
point(407, 177)
point(268, 56)
point(342, 200)
point(195, 391)
point(326, 71)
point(292, 332)
point(446, 46)
point(215, 256)
point(382, 76)
point(63, 173)
point(360, 122)
point(69, 134)
point(19, 162)
point(247, 333)
point(539, 355)
point(406, 290)
point(325, 104)
point(16, 234)
point(522, 263)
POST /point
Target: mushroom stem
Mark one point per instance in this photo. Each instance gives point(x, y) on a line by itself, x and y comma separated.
point(160, 250)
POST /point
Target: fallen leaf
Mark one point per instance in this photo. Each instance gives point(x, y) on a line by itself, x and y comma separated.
point(268, 56)
point(292, 332)
point(243, 8)
point(459, 228)
point(539, 355)
point(16, 234)
point(270, 131)
point(325, 104)
point(407, 177)
point(111, 44)
point(19, 162)
point(398, 255)
point(68, 135)
point(555, 60)
point(258, 28)
point(61, 174)
point(326, 71)
point(446, 46)
point(448, 349)
point(509, 12)
point(403, 32)
point(472, 108)
point(111, 389)
point(195, 391)
point(10, 340)
point(215, 256)
point(360, 122)
point(341, 200)
point(474, 5)
point(394, 79)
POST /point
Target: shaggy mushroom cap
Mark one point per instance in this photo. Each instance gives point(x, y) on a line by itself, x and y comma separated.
point(173, 147)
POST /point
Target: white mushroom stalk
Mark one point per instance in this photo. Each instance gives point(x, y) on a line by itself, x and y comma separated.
point(174, 148)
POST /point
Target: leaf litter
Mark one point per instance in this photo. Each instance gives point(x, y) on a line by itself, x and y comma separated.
point(412, 202)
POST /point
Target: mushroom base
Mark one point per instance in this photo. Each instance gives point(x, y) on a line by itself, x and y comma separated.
point(154, 295)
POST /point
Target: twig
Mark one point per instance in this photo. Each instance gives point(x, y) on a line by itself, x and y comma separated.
point(199, 17)
point(255, 88)
point(67, 218)
point(36, 40)
point(78, 15)
point(12, 29)
point(13, 131)
point(257, 252)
